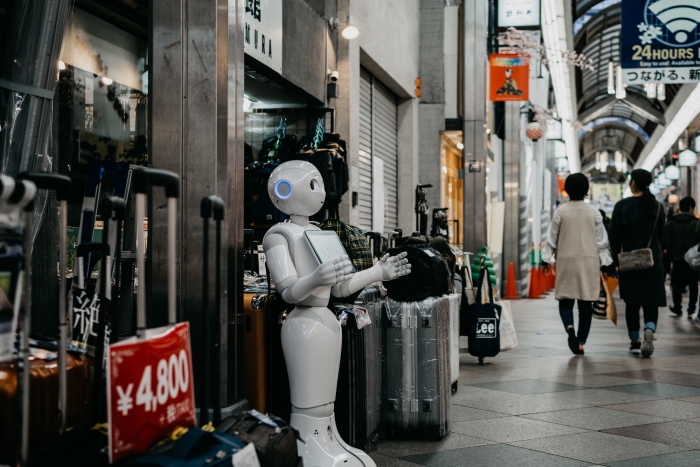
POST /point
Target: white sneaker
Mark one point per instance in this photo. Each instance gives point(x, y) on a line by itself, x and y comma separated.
point(648, 344)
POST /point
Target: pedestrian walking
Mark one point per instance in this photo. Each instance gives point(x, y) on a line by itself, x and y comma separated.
point(680, 237)
point(578, 242)
point(636, 235)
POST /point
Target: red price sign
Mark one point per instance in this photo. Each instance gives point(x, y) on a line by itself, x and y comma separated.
point(150, 389)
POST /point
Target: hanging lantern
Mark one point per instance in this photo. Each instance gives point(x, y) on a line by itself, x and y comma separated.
point(687, 158)
point(604, 162)
point(672, 172)
point(650, 89)
point(672, 198)
point(662, 181)
point(620, 91)
point(534, 131)
point(661, 92)
point(654, 189)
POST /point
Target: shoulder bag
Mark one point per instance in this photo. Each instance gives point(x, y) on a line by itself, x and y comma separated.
point(638, 260)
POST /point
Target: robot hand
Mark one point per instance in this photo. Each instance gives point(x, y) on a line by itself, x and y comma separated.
point(339, 269)
point(394, 266)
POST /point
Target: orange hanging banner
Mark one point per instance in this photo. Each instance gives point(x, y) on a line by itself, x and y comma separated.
point(509, 78)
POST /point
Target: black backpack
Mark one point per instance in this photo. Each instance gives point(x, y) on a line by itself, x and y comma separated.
point(430, 276)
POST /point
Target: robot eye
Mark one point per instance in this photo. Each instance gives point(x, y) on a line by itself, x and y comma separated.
point(283, 189)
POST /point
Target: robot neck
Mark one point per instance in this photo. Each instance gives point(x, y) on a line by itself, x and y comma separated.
point(299, 220)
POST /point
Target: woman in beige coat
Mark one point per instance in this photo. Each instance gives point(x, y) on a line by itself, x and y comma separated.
point(577, 240)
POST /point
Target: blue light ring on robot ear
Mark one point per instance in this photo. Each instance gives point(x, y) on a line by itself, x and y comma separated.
point(288, 185)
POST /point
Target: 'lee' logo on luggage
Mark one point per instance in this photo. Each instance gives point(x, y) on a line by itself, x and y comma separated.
point(486, 328)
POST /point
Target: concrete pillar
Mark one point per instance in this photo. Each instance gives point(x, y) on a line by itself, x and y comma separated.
point(474, 59)
point(196, 131)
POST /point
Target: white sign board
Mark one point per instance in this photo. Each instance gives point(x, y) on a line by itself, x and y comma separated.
point(263, 32)
point(516, 13)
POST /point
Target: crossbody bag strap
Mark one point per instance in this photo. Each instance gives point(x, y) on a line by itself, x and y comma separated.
point(654, 229)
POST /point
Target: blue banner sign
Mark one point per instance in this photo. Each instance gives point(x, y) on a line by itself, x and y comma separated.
point(660, 41)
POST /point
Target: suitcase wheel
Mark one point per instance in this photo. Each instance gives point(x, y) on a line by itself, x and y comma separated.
point(455, 386)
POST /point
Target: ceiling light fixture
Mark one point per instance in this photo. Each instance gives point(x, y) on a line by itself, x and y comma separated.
point(687, 158)
point(349, 31)
point(672, 172)
point(106, 81)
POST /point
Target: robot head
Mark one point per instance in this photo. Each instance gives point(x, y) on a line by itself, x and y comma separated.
point(296, 188)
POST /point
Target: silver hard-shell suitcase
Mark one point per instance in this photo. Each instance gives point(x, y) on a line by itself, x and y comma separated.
point(418, 373)
point(455, 303)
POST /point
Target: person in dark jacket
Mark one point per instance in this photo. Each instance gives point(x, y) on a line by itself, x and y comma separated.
point(638, 223)
point(680, 237)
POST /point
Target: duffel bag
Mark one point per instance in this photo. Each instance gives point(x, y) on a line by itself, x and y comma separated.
point(274, 440)
point(429, 276)
point(440, 244)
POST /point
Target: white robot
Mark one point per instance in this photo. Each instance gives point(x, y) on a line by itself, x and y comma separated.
point(311, 335)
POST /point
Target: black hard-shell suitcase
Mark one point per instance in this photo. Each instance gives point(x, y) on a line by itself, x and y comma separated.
point(359, 390)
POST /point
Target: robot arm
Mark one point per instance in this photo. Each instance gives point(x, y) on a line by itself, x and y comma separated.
point(291, 288)
point(388, 268)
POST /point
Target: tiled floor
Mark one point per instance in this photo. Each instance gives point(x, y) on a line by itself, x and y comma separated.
point(538, 405)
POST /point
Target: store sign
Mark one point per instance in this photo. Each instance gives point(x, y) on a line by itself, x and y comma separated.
point(660, 43)
point(263, 32)
point(150, 390)
point(516, 13)
point(509, 78)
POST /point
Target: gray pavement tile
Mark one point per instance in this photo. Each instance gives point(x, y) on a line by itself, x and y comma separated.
point(695, 399)
point(591, 381)
point(665, 460)
point(507, 429)
point(662, 390)
point(676, 433)
point(657, 376)
point(402, 448)
point(527, 386)
point(386, 461)
point(464, 414)
point(666, 408)
point(597, 448)
point(689, 369)
point(473, 377)
point(596, 418)
point(492, 455)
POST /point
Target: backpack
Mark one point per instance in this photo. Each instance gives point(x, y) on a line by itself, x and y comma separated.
point(440, 244)
point(429, 277)
point(354, 241)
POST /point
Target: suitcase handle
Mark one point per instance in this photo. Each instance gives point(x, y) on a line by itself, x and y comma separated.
point(114, 208)
point(143, 178)
point(49, 181)
point(211, 206)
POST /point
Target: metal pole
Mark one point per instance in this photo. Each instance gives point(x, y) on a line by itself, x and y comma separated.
point(172, 259)
point(62, 322)
point(24, 336)
point(217, 330)
point(204, 405)
point(140, 266)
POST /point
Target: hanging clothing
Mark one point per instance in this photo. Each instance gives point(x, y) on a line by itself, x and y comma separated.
point(577, 240)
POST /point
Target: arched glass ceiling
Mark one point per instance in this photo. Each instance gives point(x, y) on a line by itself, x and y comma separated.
point(588, 15)
point(606, 120)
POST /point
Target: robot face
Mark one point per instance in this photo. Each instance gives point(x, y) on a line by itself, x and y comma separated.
point(296, 188)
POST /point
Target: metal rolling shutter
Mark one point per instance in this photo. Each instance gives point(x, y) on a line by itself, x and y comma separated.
point(365, 152)
point(384, 146)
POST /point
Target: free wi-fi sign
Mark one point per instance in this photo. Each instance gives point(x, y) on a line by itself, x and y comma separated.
point(660, 43)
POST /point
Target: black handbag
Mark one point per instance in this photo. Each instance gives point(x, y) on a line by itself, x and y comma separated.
point(274, 440)
point(484, 320)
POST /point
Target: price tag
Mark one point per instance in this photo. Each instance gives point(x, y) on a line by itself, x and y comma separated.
point(246, 457)
point(150, 389)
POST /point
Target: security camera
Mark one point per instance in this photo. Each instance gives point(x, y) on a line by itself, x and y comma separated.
point(333, 76)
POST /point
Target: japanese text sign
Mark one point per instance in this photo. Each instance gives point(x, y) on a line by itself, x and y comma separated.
point(509, 78)
point(150, 390)
point(660, 41)
point(516, 13)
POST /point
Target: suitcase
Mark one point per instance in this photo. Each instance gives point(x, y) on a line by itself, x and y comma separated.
point(418, 378)
point(455, 306)
point(279, 399)
point(255, 351)
point(359, 390)
point(36, 399)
